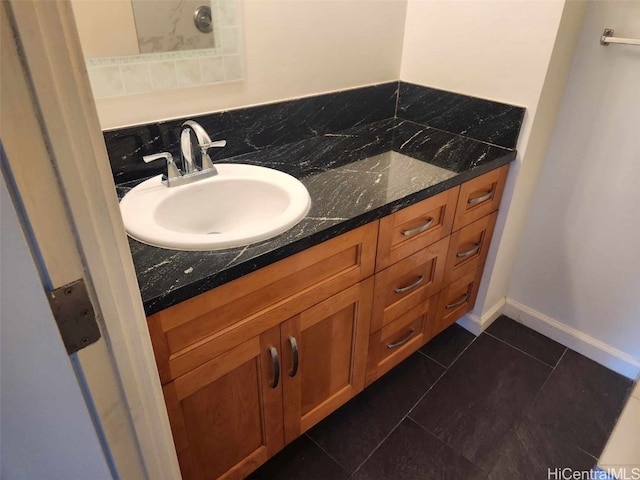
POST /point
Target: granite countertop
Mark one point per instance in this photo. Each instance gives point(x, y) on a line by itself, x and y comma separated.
point(353, 177)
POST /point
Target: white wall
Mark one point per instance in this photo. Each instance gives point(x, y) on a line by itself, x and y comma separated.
point(45, 427)
point(515, 52)
point(293, 49)
point(579, 261)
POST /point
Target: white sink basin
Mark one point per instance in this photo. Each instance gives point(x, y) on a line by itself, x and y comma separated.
point(241, 205)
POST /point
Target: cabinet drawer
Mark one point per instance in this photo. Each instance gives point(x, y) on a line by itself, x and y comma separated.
point(399, 339)
point(408, 283)
point(286, 288)
point(455, 300)
point(468, 248)
point(413, 228)
point(479, 197)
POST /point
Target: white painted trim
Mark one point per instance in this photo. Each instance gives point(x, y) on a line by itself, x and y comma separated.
point(478, 324)
point(598, 351)
point(62, 95)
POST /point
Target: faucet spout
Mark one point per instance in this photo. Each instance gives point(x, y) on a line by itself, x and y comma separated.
point(204, 143)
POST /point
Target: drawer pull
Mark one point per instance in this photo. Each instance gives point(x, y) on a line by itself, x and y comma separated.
point(276, 367)
point(458, 303)
point(420, 229)
point(469, 252)
point(412, 332)
point(486, 196)
point(410, 287)
point(294, 352)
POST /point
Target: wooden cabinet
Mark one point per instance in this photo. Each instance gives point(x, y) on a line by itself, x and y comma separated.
point(226, 415)
point(232, 413)
point(331, 340)
point(426, 276)
point(190, 333)
point(249, 366)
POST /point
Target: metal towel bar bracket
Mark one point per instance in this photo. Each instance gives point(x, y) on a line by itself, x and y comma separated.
point(607, 38)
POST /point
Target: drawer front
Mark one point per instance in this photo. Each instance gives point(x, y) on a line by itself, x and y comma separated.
point(468, 248)
point(455, 300)
point(479, 197)
point(415, 227)
point(284, 288)
point(399, 339)
point(408, 283)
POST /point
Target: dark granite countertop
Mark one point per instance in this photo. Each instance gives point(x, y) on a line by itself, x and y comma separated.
point(354, 177)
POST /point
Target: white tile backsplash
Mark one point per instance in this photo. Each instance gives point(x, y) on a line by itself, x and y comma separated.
point(230, 40)
point(163, 75)
point(188, 72)
point(229, 11)
point(106, 81)
point(136, 78)
point(212, 70)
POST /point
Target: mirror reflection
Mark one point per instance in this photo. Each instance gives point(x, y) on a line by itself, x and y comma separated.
point(170, 25)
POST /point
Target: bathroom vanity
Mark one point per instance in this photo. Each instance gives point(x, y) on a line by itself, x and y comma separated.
point(255, 345)
point(249, 366)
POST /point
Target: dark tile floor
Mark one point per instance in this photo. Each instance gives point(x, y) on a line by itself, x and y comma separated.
point(506, 405)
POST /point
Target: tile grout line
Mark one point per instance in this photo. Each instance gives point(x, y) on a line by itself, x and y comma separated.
point(402, 419)
point(433, 359)
point(535, 397)
point(327, 454)
point(522, 351)
point(455, 359)
point(459, 454)
point(446, 369)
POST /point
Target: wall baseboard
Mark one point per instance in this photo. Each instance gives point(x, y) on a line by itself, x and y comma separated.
point(477, 324)
point(598, 351)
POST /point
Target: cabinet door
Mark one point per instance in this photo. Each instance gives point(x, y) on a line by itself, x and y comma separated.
point(331, 339)
point(226, 415)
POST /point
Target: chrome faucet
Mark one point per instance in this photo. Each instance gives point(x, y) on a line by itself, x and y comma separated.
point(190, 171)
point(204, 142)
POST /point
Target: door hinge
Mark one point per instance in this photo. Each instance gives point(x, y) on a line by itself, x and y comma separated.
point(74, 315)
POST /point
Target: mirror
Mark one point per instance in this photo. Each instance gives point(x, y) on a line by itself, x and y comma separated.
point(170, 25)
point(159, 44)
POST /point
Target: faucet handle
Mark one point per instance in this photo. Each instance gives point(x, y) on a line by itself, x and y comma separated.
point(216, 144)
point(172, 169)
point(206, 159)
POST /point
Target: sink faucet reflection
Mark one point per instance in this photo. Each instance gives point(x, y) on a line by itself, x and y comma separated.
point(190, 172)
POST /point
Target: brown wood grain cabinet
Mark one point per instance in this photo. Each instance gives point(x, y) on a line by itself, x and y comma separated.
point(249, 366)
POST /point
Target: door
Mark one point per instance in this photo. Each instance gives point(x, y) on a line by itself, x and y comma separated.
point(41, 398)
point(58, 174)
point(324, 353)
point(226, 415)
